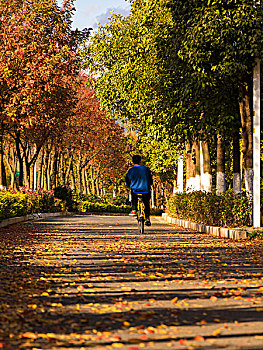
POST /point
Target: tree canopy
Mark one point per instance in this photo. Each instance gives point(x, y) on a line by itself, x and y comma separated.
point(176, 65)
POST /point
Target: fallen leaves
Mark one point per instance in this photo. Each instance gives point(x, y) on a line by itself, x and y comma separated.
point(120, 291)
point(29, 335)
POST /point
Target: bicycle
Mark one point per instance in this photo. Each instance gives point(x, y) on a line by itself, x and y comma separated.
point(140, 214)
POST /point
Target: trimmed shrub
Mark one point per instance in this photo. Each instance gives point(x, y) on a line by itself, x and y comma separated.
point(66, 195)
point(27, 202)
point(226, 210)
point(97, 207)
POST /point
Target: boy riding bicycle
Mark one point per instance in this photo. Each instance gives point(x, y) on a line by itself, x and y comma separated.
point(139, 180)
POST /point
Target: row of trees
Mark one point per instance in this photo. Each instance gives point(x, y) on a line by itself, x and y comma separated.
point(180, 72)
point(51, 123)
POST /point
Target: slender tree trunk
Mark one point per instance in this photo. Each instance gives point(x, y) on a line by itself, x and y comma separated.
point(206, 174)
point(27, 174)
point(189, 168)
point(247, 133)
point(20, 159)
point(11, 161)
point(97, 187)
point(73, 181)
point(53, 167)
point(3, 182)
point(92, 181)
point(180, 175)
point(152, 197)
point(45, 170)
point(196, 166)
point(40, 170)
point(83, 177)
point(62, 168)
point(220, 171)
point(236, 164)
point(32, 175)
point(70, 159)
point(87, 181)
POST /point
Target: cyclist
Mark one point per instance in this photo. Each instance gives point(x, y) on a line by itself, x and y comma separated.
point(139, 180)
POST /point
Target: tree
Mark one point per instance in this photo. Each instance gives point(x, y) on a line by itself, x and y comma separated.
point(221, 43)
point(185, 65)
point(39, 64)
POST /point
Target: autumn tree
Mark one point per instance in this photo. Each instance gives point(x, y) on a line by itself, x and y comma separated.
point(88, 152)
point(39, 64)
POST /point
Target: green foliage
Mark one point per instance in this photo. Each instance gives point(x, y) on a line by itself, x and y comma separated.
point(171, 62)
point(21, 204)
point(256, 234)
point(65, 194)
point(97, 207)
point(211, 209)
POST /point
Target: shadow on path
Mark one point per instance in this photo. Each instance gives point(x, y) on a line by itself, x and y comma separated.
point(93, 282)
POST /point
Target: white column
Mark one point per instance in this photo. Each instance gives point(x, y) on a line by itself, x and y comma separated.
point(256, 145)
point(180, 174)
point(202, 167)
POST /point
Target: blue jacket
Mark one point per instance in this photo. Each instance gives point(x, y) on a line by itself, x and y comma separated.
point(139, 179)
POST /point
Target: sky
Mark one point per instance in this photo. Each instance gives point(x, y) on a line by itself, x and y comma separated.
point(91, 12)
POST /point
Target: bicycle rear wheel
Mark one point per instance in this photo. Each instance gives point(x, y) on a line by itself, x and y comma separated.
point(140, 225)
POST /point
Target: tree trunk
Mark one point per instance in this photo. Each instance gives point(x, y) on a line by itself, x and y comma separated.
point(84, 181)
point(45, 170)
point(247, 133)
point(87, 181)
point(236, 164)
point(180, 174)
point(220, 171)
point(152, 197)
point(206, 173)
point(70, 159)
point(97, 187)
point(73, 181)
point(189, 168)
point(53, 168)
point(196, 166)
point(92, 181)
point(10, 158)
point(20, 160)
point(32, 176)
point(40, 170)
point(62, 169)
point(3, 182)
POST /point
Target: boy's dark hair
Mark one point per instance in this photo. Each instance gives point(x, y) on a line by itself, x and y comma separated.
point(136, 159)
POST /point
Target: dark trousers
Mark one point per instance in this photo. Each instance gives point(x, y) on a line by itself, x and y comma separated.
point(146, 200)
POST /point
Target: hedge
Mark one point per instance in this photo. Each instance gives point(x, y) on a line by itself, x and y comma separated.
point(24, 202)
point(97, 207)
point(226, 210)
point(88, 206)
point(21, 204)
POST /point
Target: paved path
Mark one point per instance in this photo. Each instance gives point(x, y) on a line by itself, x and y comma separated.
point(91, 282)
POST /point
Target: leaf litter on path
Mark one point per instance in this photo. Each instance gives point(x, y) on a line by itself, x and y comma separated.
point(77, 287)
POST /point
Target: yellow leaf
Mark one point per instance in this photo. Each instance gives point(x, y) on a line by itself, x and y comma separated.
point(216, 332)
point(29, 335)
point(117, 345)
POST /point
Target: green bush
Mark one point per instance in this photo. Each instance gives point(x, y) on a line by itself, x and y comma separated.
point(21, 204)
point(97, 207)
point(226, 210)
point(65, 194)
